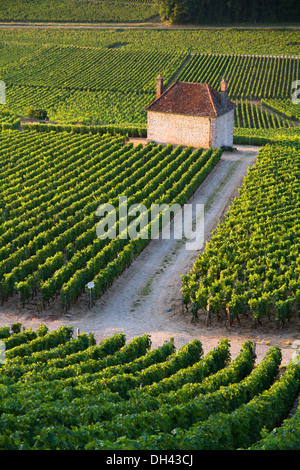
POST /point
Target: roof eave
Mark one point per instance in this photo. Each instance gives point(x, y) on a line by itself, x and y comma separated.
point(185, 114)
point(211, 99)
point(208, 88)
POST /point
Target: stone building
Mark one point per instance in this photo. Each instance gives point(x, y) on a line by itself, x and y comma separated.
point(191, 114)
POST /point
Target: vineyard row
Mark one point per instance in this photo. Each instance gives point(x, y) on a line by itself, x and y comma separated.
point(56, 249)
point(251, 264)
point(60, 392)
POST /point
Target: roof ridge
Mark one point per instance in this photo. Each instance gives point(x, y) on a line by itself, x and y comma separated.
point(189, 98)
point(157, 99)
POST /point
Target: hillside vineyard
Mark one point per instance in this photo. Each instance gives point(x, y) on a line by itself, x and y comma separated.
point(113, 82)
point(60, 183)
point(61, 392)
point(117, 343)
point(251, 264)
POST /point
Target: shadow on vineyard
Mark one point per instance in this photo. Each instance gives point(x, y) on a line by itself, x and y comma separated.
point(170, 349)
point(127, 395)
point(250, 266)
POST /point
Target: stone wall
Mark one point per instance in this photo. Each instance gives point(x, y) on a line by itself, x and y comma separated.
point(177, 129)
point(222, 130)
point(197, 131)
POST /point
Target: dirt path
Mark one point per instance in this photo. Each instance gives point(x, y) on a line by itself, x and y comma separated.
point(146, 299)
point(155, 24)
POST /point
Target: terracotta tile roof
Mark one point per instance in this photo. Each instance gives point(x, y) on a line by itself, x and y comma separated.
point(194, 99)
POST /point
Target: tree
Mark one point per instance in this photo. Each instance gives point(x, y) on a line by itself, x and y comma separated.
point(230, 11)
point(37, 113)
point(174, 11)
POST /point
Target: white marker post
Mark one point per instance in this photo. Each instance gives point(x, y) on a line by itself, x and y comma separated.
point(90, 287)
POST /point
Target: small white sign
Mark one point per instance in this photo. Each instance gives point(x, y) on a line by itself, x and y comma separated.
point(91, 285)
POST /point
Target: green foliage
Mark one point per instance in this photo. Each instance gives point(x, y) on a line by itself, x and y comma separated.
point(4, 332)
point(37, 113)
point(16, 327)
point(8, 120)
point(254, 116)
point(61, 253)
point(93, 69)
point(18, 339)
point(285, 437)
point(166, 388)
point(78, 11)
point(40, 342)
point(253, 254)
point(88, 85)
point(286, 107)
point(112, 395)
point(128, 131)
point(236, 11)
point(22, 43)
point(249, 77)
point(189, 414)
point(289, 136)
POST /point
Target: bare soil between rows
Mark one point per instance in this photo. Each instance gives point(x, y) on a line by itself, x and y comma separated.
point(146, 298)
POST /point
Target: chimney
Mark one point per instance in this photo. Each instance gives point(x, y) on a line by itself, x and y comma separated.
point(159, 86)
point(224, 93)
